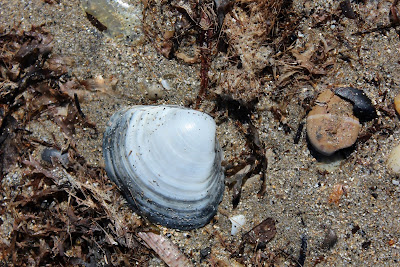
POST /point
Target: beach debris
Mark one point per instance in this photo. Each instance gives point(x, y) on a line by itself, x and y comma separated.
point(347, 9)
point(393, 161)
point(59, 215)
point(166, 160)
point(165, 249)
point(60, 212)
point(362, 105)
point(366, 244)
point(331, 125)
point(330, 239)
point(238, 221)
point(299, 132)
point(303, 251)
point(121, 19)
point(51, 154)
point(261, 234)
point(394, 14)
point(338, 191)
point(33, 82)
point(205, 253)
point(102, 85)
point(247, 27)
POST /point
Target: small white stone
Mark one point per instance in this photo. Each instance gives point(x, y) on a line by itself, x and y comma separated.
point(395, 182)
point(154, 91)
point(238, 221)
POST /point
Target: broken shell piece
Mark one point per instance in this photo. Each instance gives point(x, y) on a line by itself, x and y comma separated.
point(330, 239)
point(393, 162)
point(49, 154)
point(238, 222)
point(362, 105)
point(331, 125)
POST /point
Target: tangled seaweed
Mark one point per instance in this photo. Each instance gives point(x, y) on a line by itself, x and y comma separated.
point(61, 212)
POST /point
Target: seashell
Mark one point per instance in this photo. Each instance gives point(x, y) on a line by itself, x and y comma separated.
point(122, 19)
point(166, 160)
point(331, 125)
point(238, 221)
point(48, 154)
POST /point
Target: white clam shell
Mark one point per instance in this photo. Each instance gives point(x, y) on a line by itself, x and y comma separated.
point(167, 162)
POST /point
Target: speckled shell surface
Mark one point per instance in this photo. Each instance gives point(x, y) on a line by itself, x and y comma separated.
point(167, 162)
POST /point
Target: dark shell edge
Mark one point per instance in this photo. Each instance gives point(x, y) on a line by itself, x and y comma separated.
point(154, 212)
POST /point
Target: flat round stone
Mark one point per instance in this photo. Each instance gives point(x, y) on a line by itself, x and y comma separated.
point(331, 125)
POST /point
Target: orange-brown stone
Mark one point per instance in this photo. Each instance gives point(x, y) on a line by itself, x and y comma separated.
point(331, 124)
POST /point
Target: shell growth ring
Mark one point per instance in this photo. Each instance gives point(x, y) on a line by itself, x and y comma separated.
point(166, 160)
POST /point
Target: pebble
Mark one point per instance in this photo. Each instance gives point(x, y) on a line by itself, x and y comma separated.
point(331, 125)
point(393, 161)
point(397, 103)
point(154, 91)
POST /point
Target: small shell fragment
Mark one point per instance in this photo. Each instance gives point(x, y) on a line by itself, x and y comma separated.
point(338, 191)
point(238, 221)
point(331, 125)
point(154, 91)
point(362, 105)
point(330, 239)
point(48, 154)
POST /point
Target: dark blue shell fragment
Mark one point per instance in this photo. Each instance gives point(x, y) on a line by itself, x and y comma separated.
point(362, 105)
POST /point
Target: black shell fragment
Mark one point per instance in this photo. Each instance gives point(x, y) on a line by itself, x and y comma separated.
point(362, 105)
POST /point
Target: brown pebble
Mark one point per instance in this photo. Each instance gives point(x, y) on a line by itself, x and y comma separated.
point(331, 125)
point(397, 103)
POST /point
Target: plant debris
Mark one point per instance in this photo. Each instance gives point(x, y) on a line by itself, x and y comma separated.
point(63, 211)
point(261, 234)
point(167, 251)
